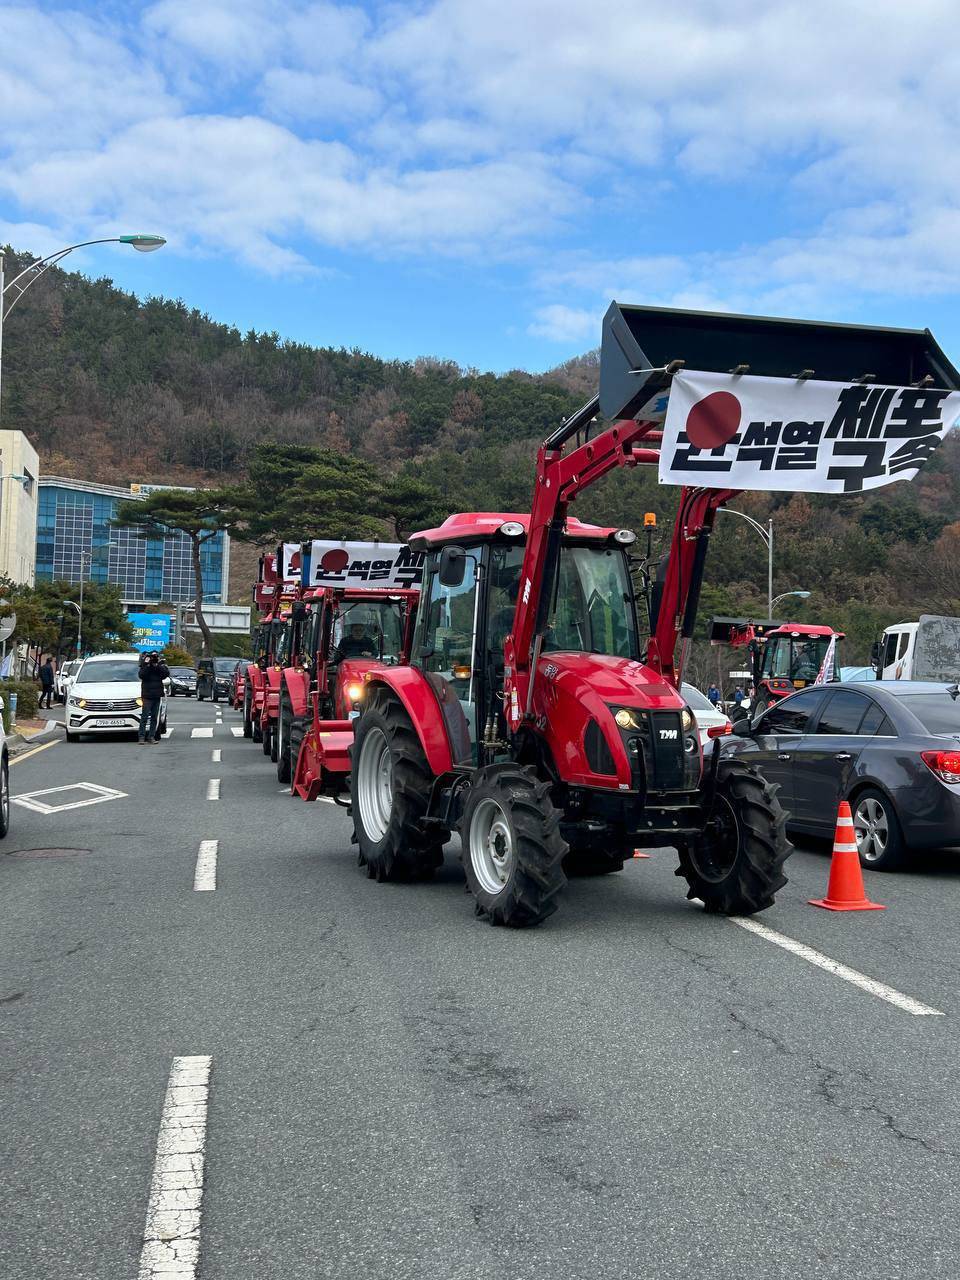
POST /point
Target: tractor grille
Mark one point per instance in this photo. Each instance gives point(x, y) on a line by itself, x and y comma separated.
point(668, 757)
point(120, 704)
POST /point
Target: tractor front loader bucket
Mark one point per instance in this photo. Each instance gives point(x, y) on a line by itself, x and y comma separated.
point(640, 343)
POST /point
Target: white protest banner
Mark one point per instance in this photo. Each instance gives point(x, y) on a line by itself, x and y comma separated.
point(741, 432)
point(288, 556)
point(360, 564)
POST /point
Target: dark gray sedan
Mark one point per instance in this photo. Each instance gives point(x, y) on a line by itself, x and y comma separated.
point(891, 748)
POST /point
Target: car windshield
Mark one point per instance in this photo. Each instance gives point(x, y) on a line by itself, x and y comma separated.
point(113, 671)
point(695, 699)
point(224, 666)
point(593, 613)
point(937, 712)
point(182, 671)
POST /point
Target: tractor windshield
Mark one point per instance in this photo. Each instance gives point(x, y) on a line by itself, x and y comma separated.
point(795, 657)
point(593, 612)
point(368, 629)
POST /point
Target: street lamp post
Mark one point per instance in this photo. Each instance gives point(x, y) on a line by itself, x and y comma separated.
point(766, 533)
point(803, 595)
point(20, 283)
point(86, 562)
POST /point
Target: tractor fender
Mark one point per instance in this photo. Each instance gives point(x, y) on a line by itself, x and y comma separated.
point(420, 703)
point(297, 686)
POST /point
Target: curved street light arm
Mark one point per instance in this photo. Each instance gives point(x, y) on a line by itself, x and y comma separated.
point(40, 265)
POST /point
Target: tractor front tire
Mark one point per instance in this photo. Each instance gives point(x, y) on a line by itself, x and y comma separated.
point(266, 734)
point(298, 731)
point(390, 783)
point(247, 712)
point(735, 865)
point(512, 847)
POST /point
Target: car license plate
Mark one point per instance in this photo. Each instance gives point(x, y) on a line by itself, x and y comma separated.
point(106, 724)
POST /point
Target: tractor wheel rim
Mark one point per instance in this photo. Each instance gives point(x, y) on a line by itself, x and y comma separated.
point(491, 846)
point(715, 854)
point(375, 784)
point(872, 829)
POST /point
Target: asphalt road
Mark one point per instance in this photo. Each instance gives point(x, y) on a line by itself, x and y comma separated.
point(399, 1090)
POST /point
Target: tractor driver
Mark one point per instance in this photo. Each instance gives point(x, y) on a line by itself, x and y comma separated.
point(355, 644)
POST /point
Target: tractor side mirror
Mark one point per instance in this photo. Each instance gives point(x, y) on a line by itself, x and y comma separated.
point(453, 566)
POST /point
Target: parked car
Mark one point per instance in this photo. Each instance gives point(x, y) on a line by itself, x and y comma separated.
point(891, 748)
point(64, 677)
point(183, 680)
point(215, 678)
point(105, 697)
point(4, 780)
point(705, 713)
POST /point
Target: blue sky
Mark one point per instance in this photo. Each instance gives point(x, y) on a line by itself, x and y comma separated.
point(475, 181)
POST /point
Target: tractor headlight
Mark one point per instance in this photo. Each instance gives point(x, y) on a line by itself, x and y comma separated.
point(687, 719)
point(627, 719)
point(354, 692)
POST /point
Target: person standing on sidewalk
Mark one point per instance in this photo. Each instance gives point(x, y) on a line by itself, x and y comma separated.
point(47, 682)
point(153, 672)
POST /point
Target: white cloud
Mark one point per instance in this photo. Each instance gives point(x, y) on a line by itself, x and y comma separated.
point(566, 324)
point(323, 97)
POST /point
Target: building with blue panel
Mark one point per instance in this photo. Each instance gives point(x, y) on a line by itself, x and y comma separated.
point(74, 539)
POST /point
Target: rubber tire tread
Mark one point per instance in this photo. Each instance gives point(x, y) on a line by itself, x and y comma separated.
point(531, 894)
point(283, 758)
point(406, 851)
point(298, 731)
point(247, 708)
point(266, 734)
point(757, 873)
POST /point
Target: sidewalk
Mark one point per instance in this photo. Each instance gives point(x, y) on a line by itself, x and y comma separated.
point(26, 733)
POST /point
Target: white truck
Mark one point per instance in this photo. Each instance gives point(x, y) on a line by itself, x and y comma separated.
point(928, 649)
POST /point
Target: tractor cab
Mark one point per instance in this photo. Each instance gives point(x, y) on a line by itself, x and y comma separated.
point(793, 656)
point(350, 630)
point(472, 581)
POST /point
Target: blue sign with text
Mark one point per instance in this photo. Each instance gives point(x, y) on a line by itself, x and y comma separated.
point(150, 630)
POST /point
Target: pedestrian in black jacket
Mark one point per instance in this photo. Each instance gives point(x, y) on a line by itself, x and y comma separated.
point(153, 672)
point(47, 680)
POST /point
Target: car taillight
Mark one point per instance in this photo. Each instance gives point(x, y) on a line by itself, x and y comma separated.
point(719, 730)
point(945, 764)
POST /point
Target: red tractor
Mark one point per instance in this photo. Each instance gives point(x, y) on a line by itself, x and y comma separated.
point(341, 635)
point(784, 656)
point(532, 718)
point(274, 598)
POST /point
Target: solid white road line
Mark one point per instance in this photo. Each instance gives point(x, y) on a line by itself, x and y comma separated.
point(236, 730)
point(205, 876)
point(171, 1236)
point(216, 756)
point(874, 988)
point(202, 733)
point(213, 789)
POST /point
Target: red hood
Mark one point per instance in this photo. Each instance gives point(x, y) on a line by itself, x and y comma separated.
point(613, 680)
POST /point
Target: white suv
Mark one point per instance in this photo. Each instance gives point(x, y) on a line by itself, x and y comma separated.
point(105, 697)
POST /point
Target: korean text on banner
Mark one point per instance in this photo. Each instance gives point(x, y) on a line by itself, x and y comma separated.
point(740, 432)
point(362, 564)
point(150, 630)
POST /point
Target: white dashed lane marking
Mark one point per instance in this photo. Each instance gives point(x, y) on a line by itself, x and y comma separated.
point(202, 733)
point(213, 789)
point(874, 988)
point(216, 756)
point(205, 875)
point(236, 730)
point(171, 1236)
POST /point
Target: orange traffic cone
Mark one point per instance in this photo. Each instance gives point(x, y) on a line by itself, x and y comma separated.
point(845, 892)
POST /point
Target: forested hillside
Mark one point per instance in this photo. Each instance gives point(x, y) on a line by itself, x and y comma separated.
point(112, 389)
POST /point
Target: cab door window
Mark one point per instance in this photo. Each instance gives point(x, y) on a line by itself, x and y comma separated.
point(445, 653)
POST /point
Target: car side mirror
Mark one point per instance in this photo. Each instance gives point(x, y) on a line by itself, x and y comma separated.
point(453, 566)
point(743, 728)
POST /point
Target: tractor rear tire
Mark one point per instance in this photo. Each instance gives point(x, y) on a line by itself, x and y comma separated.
point(266, 734)
point(390, 784)
point(298, 731)
point(247, 712)
point(512, 847)
point(735, 865)
point(284, 721)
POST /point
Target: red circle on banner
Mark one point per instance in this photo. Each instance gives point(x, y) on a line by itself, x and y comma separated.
point(714, 420)
point(335, 560)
